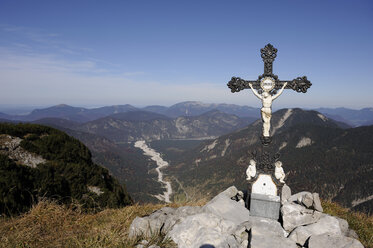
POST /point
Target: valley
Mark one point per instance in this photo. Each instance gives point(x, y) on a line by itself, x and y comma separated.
point(156, 157)
point(207, 150)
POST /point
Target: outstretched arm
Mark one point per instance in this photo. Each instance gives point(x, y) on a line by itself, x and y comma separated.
point(255, 92)
point(280, 92)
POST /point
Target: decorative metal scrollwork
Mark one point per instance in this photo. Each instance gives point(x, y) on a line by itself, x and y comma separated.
point(300, 84)
point(268, 53)
point(237, 84)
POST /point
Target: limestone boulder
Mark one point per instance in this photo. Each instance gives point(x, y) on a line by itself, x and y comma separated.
point(294, 215)
point(332, 240)
point(326, 224)
point(285, 194)
point(307, 199)
point(268, 233)
point(203, 229)
point(154, 223)
point(298, 197)
point(223, 206)
point(316, 202)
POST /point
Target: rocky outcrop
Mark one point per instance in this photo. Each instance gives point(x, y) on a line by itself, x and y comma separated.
point(327, 240)
point(10, 146)
point(226, 222)
point(294, 215)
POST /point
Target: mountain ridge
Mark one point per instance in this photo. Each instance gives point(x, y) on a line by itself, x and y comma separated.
point(351, 117)
point(332, 158)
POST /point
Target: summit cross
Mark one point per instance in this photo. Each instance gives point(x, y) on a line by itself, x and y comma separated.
point(268, 87)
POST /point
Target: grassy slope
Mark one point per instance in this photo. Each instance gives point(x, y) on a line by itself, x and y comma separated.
point(50, 225)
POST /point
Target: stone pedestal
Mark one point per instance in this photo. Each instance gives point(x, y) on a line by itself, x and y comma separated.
point(267, 206)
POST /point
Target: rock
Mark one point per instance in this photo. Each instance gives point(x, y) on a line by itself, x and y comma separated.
point(343, 225)
point(326, 224)
point(241, 234)
point(307, 200)
point(179, 214)
point(285, 193)
point(303, 197)
point(223, 206)
point(335, 241)
point(352, 234)
point(294, 215)
point(224, 222)
point(159, 221)
point(203, 229)
point(143, 244)
point(268, 233)
point(139, 226)
point(261, 241)
point(266, 226)
point(298, 197)
point(316, 202)
point(154, 246)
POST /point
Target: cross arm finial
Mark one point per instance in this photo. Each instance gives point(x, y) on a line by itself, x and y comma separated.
point(299, 84)
point(237, 84)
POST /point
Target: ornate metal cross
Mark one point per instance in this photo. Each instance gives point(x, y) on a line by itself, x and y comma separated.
point(267, 85)
point(268, 54)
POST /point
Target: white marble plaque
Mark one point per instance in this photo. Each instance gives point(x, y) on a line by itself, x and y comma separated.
point(264, 185)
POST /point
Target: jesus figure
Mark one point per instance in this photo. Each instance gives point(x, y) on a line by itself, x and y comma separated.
point(266, 110)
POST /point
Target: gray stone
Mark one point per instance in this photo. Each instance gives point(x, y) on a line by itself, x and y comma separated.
point(241, 233)
point(294, 215)
point(265, 206)
point(266, 226)
point(179, 214)
point(202, 229)
point(331, 240)
point(326, 224)
point(267, 233)
point(139, 226)
point(223, 206)
point(154, 246)
point(352, 234)
point(343, 225)
point(316, 202)
point(298, 197)
point(224, 222)
point(261, 241)
point(307, 200)
point(161, 220)
point(285, 193)
point(143, 244)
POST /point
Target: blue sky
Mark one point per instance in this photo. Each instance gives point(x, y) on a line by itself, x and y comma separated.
point(94, 53)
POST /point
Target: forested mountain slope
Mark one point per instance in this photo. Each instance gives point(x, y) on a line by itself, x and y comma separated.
point(41, 162)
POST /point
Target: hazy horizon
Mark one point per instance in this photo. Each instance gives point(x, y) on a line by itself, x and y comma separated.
point(25, 109)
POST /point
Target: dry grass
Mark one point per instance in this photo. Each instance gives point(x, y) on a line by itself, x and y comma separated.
point(51, 225)
point(359, 222)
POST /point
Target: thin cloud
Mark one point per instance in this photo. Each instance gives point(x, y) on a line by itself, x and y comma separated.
point(44, 79)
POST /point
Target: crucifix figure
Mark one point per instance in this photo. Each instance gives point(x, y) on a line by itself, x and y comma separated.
point(266, 87)
point(266, 110)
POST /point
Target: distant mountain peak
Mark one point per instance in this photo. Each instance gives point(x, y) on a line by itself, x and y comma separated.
point(62, 105)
